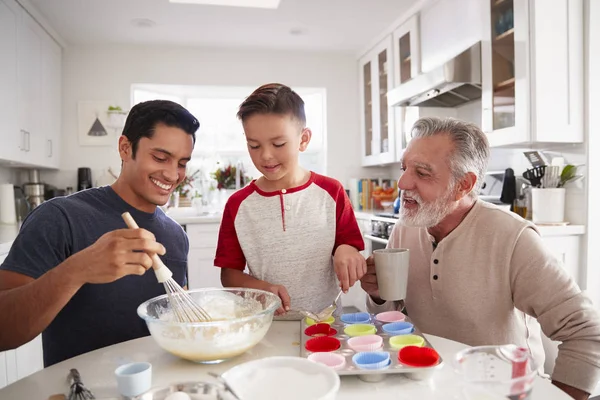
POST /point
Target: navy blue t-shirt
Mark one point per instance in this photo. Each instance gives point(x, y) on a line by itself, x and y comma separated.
point(98, 315)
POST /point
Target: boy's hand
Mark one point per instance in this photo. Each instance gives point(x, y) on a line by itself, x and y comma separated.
point(282, 292)
point(349, 266)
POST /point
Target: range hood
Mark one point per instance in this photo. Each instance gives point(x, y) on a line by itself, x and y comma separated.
point(456, 82)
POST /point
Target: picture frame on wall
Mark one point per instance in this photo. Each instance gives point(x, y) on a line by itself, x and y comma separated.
point(94, 124)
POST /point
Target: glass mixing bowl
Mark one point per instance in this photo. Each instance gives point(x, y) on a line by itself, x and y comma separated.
point(240, 319)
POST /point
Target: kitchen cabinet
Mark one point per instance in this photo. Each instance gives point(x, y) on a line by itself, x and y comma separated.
point(447, 28)
point(532, 72)
point(407, 54)
point(567, 249)
point(31, 97)
point(51, 103)
point(23, 361)
point(11, 136)
point(376, 117)
point(203, 246)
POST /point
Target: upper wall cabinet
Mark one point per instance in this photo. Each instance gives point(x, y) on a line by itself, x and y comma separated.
point(447, 28)
point(30, 98)
point(407, 52)
point(377, 122)
point(532, 70)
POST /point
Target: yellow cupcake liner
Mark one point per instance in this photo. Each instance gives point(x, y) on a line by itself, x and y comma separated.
point(311, 322)
point(400, 341)
point(360, 330)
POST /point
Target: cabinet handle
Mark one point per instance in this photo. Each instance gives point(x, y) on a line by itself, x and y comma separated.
point(49, 148)
point(23, 145)
point(28, 141)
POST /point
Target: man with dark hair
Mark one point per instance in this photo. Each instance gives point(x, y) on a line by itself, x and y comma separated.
point(75, 273)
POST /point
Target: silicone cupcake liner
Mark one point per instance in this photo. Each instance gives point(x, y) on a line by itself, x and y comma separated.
point(356, 318)
point(414, 356)
point(318, 330)
point(332, 360)
point(322, 344)
point(390, 316)
point(397, 342)
point(365, 343)
point(372, 360)
point(398, 328)
point(360, 330)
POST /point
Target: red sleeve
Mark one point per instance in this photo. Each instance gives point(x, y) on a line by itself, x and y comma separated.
point(346, 229)
point(229, 251)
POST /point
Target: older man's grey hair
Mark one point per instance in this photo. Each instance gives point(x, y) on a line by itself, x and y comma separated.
point(471, 147)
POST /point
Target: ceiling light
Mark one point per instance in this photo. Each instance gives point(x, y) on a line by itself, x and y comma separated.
point(233, 3)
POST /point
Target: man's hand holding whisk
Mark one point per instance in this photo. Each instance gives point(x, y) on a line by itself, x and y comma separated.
point(116, 254)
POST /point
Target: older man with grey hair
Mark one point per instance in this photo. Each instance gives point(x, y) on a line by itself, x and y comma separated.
point(478, 274)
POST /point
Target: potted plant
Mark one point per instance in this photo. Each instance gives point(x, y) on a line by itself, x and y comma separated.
point(116, 117)
point(182, 194)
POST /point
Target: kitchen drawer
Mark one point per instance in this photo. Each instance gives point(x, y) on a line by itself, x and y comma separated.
point(203, 236)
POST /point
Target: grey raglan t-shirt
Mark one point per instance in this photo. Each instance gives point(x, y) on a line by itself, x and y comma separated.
point(98, 315)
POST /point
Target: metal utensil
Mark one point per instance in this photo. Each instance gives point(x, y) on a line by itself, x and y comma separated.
point(182, 304)
point(78, 391)
point(329, 310)
point(536, 158)
point(551, 177)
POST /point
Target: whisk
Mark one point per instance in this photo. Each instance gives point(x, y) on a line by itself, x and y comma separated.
point(182, 304)
point(78, 391)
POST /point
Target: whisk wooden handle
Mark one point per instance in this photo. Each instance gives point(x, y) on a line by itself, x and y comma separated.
point(157, 263)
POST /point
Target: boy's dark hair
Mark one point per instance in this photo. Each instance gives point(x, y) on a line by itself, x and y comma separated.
point(273, 98)
point(143, 118)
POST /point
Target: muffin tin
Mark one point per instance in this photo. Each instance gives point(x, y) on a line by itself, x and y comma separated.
point(373, 365)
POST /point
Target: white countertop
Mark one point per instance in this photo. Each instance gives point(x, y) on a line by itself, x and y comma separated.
point(282, 339)
point(189, 215)
point(545, 230)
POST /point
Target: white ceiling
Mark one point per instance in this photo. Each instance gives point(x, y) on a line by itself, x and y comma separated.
point(325, 25)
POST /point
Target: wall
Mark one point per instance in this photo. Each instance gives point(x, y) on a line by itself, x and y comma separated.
point(592, 12)
point(107, 73)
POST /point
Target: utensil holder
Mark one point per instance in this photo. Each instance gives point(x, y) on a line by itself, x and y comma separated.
point(548, 205)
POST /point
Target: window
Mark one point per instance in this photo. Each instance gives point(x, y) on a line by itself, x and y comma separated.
point(220, 138)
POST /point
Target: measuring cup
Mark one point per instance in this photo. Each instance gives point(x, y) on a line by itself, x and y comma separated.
point(496, 372)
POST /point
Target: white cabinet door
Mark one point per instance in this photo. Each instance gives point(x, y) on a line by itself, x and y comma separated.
point(567, 249)
point(557, 91)
point(51, 102)
point(203, 245)
point(29, 358)
point(377, 117)
point(29, 79)
point(449, 27)
point(201, 270)
point(10, 134)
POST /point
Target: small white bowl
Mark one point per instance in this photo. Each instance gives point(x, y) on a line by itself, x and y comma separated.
point(134, 379)
point(290, 378)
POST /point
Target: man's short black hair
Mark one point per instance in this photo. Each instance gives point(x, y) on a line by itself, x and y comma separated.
point(143, 118)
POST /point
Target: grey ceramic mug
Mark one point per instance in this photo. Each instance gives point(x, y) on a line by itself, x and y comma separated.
point(391, 267)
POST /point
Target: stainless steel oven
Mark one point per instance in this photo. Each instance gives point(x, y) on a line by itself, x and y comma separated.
point(381, 229)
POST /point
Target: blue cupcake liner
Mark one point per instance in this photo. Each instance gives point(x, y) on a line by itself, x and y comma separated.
point(356, 318)
point(372, 360)
point(398, 328)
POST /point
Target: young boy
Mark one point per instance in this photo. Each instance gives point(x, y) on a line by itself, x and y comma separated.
point(286, 225)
